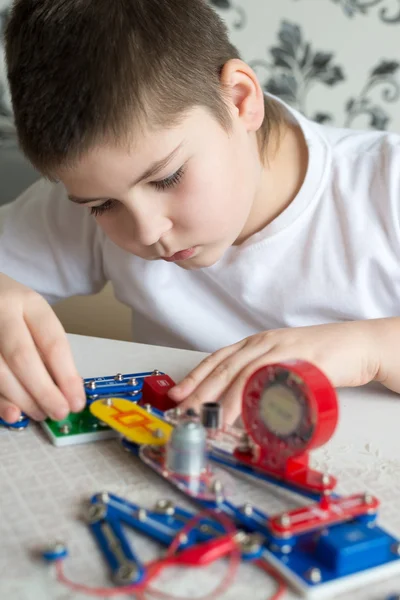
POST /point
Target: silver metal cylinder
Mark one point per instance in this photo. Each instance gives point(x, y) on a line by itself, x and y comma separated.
point(186, 449)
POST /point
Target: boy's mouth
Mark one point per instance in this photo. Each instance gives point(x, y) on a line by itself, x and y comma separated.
point(181, 255)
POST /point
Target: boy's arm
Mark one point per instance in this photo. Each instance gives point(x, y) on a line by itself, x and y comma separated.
point(51, 245)
point(387, 341)
point(350, 354)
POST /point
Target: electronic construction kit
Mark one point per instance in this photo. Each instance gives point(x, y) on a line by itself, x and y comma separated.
point(326, 547)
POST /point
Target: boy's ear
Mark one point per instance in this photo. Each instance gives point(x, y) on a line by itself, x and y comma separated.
point(243, 92)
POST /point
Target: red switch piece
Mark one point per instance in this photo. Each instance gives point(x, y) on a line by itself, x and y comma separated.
point(155, 392)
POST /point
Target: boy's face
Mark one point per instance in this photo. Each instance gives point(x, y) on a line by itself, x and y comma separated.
point(198, 202)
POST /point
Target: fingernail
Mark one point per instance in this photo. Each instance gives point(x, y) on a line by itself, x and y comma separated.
point(78, 404)
point(12, 415)
point(179, 390)
point(61, 412)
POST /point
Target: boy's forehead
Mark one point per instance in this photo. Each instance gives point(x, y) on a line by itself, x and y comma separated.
point(144, 145)
point(109, 168)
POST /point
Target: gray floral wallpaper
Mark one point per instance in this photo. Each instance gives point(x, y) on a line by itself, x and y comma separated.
point(337, 61)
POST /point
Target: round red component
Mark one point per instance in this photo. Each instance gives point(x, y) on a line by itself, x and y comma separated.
point(289, 407)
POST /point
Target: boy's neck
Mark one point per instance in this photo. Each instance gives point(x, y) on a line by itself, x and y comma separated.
point(281, 177)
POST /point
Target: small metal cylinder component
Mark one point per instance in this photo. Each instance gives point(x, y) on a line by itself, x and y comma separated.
point(186, 449)
point(211, 415)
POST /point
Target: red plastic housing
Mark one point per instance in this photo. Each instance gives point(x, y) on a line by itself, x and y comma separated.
point(300, 399)
point(325, 513)
point(155, 392)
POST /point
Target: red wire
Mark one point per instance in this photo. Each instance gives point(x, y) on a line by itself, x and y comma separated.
point(235, 557)
point(142, 588)
point(282, 587)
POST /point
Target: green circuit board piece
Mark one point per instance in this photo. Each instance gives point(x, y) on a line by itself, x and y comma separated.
point(77, 428)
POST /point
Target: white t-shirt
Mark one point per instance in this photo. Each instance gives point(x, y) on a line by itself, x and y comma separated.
point(332, 255)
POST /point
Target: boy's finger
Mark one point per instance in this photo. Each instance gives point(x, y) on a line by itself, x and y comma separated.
point(215, 385)
point(232, 403)
point(199, 373)
point(24, 361)
point(13, 392)
point(8, 411)
point(52, 343)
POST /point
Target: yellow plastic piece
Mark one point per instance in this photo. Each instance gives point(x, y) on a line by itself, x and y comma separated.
point(132, 421)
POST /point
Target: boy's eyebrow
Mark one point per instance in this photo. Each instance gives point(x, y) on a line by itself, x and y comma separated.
point(150, 172)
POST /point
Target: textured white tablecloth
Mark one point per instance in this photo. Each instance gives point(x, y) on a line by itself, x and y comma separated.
point(43, 488)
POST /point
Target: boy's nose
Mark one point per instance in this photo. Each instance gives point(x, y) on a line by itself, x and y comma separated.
point(150, 221)
point(150, 230)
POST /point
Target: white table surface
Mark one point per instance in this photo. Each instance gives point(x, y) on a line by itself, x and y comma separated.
point(43, 488)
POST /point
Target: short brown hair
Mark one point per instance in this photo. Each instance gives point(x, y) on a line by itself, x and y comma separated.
point(84, 71)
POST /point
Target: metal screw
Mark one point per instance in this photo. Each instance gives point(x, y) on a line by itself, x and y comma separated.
point(165, 507)
point(118, 377)
point(248, 509)
point(368, 499)
point(126, 573)
point(284, 520)
point(104, 497)
point(158, 433)
point(156, 372)
point(314, 575)
point(108, 402)
point(132, 381)
point(56, 547)
point(91, 385)
point(142, 514)
point(326, 480)
point(217, 486)
point(250, 544)
point(183, 538)
point(134, 393)
point(96, 512)
point(205, 528)
point(286, 549)
point(65, 429)
point(147, 407)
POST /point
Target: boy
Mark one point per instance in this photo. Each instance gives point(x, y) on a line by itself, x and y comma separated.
point(227, 221)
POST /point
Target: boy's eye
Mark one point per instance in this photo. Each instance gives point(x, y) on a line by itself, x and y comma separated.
point(163, 184)
point(99, 210)
point(170, 181)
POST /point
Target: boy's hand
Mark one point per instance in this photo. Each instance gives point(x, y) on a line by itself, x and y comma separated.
point(37, 371)
point(345, 352)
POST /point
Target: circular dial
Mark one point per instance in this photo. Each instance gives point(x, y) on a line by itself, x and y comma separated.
point(289, 408)
point(280, 410)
